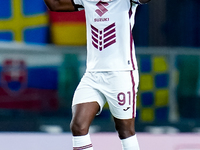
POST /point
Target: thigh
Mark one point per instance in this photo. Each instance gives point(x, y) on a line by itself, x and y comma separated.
point(122, 94)
point(88, 91)
point(82, 116)
point(125, 127)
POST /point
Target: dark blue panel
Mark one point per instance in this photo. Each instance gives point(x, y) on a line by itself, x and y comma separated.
point(6, 36)
point(14, 86)
point(105, 114)
point(161, 114)
point(137, 115)
point(161, 80)
point(183, 28)
point(5, 9)
point(31, 7)
point(36, 35)
point(43, 78)
point(147, 99)
point(145, 64)
point(141, 28)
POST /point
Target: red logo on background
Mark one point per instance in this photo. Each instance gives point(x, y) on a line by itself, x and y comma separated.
point(14, 76)
point(102, 10)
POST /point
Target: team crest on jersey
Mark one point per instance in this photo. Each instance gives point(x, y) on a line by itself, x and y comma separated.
point(14, 76)
point(104, 38)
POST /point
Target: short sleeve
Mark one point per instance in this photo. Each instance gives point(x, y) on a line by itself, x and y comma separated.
point(136, 1)
point(78, 2)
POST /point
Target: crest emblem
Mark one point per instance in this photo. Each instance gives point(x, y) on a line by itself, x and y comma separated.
point(104, 38)
point(14, 76)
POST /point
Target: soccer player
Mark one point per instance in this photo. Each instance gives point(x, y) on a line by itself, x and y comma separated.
point(111, 74)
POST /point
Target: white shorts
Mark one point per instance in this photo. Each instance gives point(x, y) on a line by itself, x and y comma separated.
point(118, 88)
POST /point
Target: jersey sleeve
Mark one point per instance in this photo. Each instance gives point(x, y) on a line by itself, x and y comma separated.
point(136, 1)
point(78, 4)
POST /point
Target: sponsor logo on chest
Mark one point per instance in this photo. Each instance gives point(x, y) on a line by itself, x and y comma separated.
point(103, 38)
point(101, 10)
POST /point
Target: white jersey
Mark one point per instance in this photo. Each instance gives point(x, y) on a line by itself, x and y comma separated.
point(110, 45)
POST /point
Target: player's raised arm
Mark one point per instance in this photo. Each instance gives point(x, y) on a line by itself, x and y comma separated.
point(60, 5)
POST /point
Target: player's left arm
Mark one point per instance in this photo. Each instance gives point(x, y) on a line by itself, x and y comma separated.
point(60, 5)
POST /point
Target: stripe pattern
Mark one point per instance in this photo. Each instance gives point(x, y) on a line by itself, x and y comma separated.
point(104, 38)
point(131, 41)
point(82, 147)
point(134, 94)
point(131, 73)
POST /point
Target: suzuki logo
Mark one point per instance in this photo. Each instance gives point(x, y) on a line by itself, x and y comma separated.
point(101, 39)
point(102, 10)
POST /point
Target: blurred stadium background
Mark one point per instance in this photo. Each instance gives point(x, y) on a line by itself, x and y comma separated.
point(43, 56)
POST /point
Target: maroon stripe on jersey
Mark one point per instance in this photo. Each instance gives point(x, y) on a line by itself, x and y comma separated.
point(109, 38)
point(131, 45)
point(131, 49)
point(109, 27)
point(96, 46)
point(130, 13)
point(95, 29)
point(110, 43)
point(109, 33)
point(93, 33)
point(133, 90)
point(95, 40)
point(82, 147)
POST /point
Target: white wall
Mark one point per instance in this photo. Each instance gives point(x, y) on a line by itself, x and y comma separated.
point(101, 141)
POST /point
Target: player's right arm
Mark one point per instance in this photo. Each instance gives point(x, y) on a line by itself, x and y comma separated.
point(61, 5)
